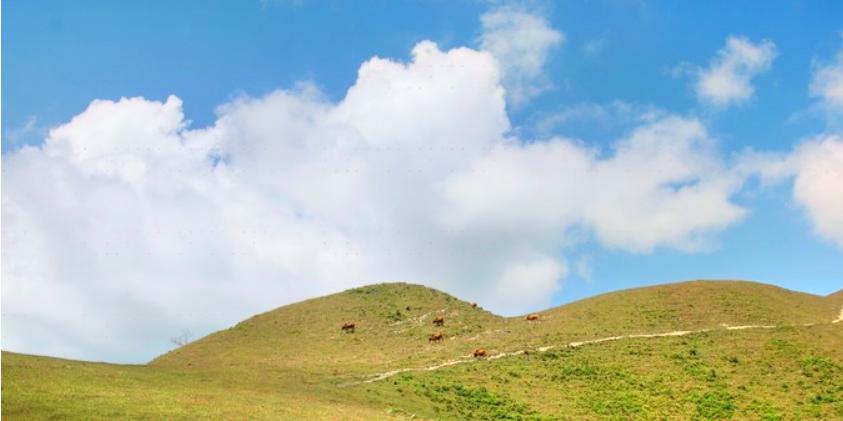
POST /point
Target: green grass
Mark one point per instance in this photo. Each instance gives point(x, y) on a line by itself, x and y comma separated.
point(295, 363)
point(786, 373)
point(49, 388)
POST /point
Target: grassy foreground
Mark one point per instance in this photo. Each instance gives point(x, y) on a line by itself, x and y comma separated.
point(295, 363)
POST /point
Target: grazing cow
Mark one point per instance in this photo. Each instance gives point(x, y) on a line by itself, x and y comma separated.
point(439, 321)
point(533, 317)
point(348, 327)
point(473, 305)
point(479, 352)
point(436, 337)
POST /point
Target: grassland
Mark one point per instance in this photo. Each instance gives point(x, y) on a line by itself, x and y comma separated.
point(783, 373)
point(295, 363)
point(49, 388)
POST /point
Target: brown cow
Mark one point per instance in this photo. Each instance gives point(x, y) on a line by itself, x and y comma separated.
point(479, 352)
point(348, 327)
point(439, 321)
point(436, 337)
point(473, 305)
point(533, 317)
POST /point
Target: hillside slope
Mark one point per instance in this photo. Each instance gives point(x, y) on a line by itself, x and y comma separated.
point(770, 374)
point(39, 388)
point(393, 322)
point(709, 349)
point(392, 326)
point(691, 305)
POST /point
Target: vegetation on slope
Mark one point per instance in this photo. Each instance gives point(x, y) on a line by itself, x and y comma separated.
point(782, 373)
point(392, 326)
point(295, 362)
point(36, 388)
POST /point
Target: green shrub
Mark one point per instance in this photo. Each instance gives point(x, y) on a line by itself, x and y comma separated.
point(716, 404)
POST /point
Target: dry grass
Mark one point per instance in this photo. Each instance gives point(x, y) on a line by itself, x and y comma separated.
point(295, 362)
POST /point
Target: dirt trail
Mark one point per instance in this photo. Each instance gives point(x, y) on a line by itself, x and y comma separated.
point(755, 326)
point(386, 375)
point(469, 358)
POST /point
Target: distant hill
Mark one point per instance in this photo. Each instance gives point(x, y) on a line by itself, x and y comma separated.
point(700, 349)
point(685, 306)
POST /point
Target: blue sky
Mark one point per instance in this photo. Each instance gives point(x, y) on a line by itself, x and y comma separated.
point(63, 55)
point(601, 72)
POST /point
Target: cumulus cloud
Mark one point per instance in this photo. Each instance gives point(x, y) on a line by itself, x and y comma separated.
point(664, 184)
point(816, 168)
point(728, 78)
point(818, 187)
point(521, 42)
point(520, 282)
point(815, 165)
point(827, 84)
point(127, 225)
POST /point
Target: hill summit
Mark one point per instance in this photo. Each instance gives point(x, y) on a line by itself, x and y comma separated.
point(699, 349)
point(392, 321)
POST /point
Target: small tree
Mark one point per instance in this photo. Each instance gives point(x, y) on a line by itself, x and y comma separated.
point(182, 339)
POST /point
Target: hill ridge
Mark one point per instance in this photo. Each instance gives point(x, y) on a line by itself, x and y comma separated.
point(739, 349)
point(393, 323)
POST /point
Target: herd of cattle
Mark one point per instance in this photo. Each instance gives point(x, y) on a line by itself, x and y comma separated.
point(439, 321)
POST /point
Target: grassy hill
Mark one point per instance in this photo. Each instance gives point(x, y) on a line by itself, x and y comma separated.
point(392, 326)
point(39, 388)
point(690, 305)
point(784, 373)
point(295, 362)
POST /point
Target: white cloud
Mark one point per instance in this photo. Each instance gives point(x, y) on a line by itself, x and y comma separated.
point(614, 114)
point(521, 42)
point(128, 226)
point(663, 185)
point(816, 164)
point(522, 281)
point(816, 168)
point(827, 84)
point(818, 186)
point(728, 78)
